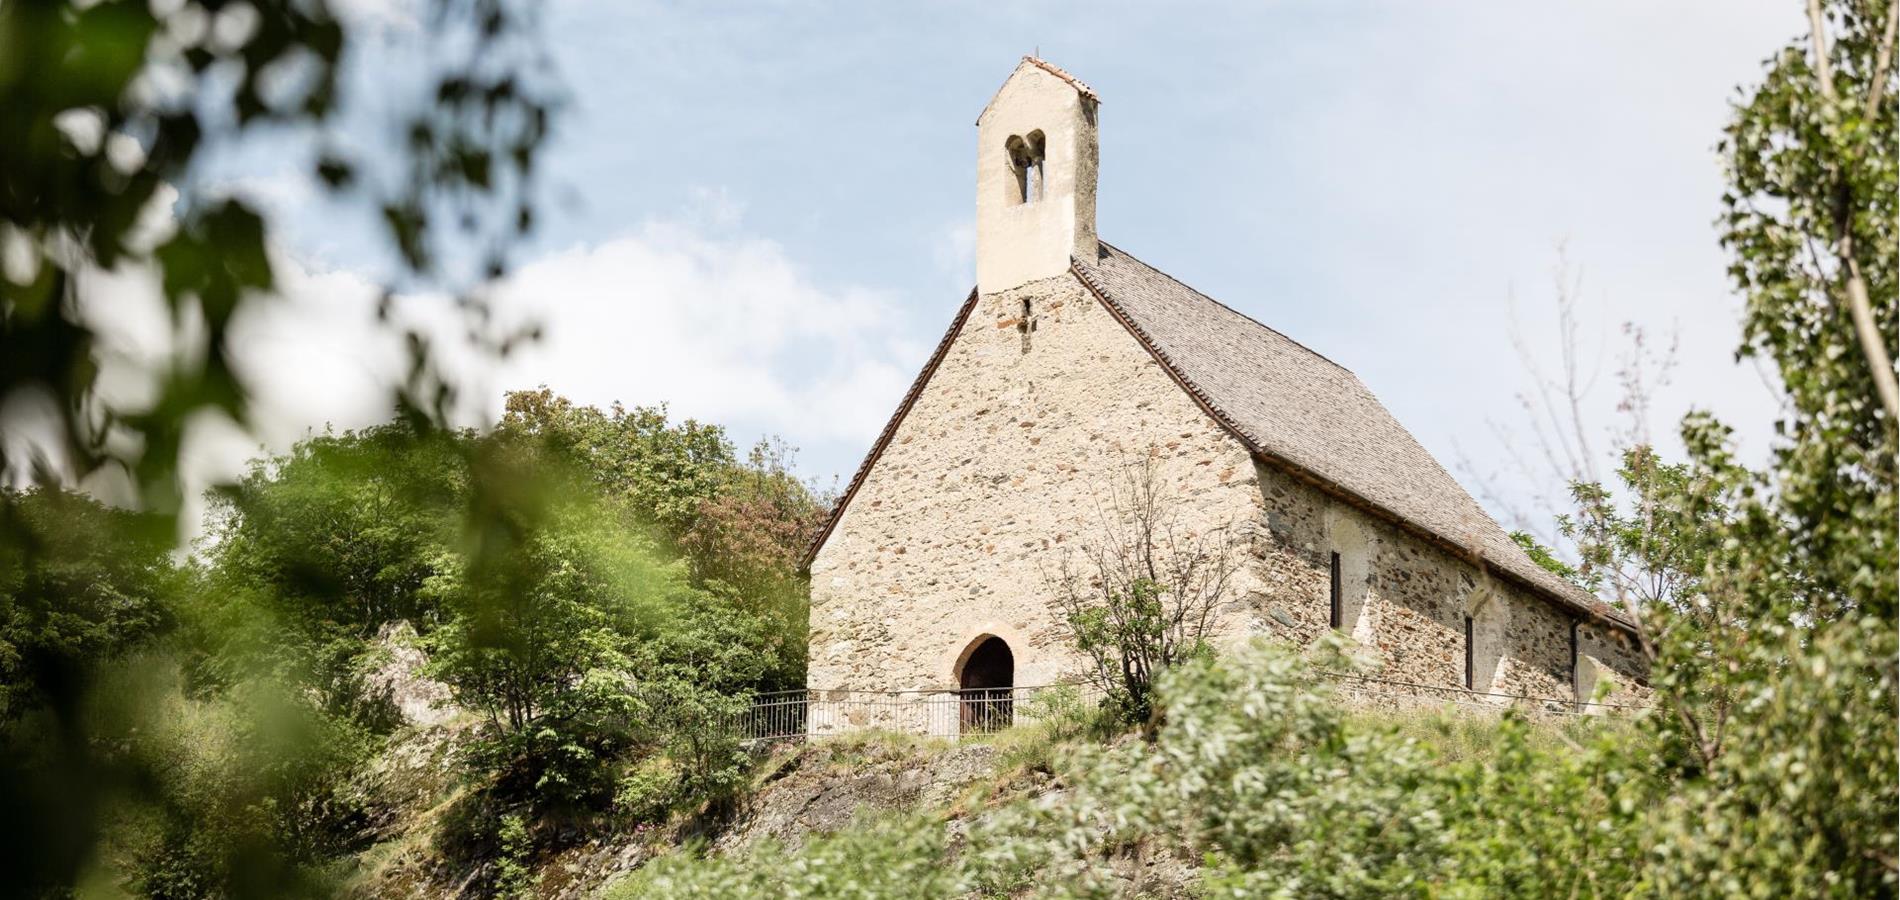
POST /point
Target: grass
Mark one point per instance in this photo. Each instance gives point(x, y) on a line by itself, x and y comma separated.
point(1459, 736)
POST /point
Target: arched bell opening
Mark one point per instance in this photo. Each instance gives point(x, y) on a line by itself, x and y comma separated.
point(1025, 154)
point(986, 683)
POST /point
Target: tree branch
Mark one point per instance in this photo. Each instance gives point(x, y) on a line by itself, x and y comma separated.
point(1859, 305)
point(1883, 60)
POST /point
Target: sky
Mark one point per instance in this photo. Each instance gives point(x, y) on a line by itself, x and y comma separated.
point(762, 214)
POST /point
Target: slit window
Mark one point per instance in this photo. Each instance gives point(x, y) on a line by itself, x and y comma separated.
point(1337, 617)
point(1469, 666)
point(1576, 686)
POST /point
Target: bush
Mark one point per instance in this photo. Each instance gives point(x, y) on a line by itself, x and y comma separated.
point(80, 583)
point(1262, 776)
point(1139, 597)
point(250, 795)
point(649, 790)
point(882, 858)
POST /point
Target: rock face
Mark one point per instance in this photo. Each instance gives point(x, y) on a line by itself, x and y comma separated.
point(397, 676)
point(827, 786)
point(822, 787)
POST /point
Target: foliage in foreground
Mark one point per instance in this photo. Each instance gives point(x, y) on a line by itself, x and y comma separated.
point(229, 697)
point(595, 652)
point(117, 115)
point(1260, 775)
point(1261, 781)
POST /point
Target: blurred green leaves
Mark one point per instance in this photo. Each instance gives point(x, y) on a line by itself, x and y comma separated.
point(110, 109)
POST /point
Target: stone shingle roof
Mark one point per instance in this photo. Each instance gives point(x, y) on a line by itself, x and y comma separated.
point(1306, 412)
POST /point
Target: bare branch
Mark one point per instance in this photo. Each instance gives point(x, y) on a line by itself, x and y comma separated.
point(1142, 596)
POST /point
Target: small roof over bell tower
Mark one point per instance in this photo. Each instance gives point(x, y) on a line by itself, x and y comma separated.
point(1035, 171)
point(1081, 87)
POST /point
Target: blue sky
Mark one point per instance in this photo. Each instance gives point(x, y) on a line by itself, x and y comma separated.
point(763, 212)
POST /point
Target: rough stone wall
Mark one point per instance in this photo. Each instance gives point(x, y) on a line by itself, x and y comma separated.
point(1536, 660)
point(1404, 601)
point(1609, 660)
point(995, 471)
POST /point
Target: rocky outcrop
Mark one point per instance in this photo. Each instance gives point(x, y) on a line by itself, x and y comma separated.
point(395, 674)
point(822, 787)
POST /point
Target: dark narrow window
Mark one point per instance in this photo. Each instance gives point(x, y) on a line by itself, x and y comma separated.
point(1338, 617)
point(1576, 687)
point(1469, 673)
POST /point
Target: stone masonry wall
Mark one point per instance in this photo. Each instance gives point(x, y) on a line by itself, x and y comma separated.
point(1000, 468)
point(993, 474)
point(1404, 601)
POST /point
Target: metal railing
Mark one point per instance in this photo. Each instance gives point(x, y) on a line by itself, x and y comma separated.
point(952, 713)
point(792, 715)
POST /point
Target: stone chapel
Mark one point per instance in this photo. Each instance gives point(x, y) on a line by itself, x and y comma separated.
point(932, 572)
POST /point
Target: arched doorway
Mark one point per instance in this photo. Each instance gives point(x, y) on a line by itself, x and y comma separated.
point(986, 682)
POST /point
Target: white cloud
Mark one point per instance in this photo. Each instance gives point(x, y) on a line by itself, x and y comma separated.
point(719, 325)
point(725, 329)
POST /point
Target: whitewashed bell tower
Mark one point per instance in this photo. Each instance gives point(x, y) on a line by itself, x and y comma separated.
point(1035, 177)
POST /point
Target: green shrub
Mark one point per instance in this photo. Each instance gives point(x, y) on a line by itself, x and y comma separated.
point(901, 857)
point(648, 791)
point(514, 866)
point(250, 788)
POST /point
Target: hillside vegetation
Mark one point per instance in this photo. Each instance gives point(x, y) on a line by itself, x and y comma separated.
point(1260, 783)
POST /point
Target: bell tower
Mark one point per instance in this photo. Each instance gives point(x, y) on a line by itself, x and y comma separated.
point(1035, 177)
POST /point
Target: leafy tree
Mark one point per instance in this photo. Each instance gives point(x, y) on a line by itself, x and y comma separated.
point(111, 106)
point(660, 470)
point(748, 544)
point(83, 582)
point(1547, 558)
point(1766, 598)
point(329, 542)
point(743, 526)
point(345, 529)
point(1139, 598)
point(561, 591)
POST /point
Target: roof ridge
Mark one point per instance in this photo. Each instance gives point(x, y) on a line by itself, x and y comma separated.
point(1081, 87)
point(1250, 319)
point(1063, 74)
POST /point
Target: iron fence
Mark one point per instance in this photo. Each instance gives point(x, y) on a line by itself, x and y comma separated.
point(952, 713)
point(790, 715)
